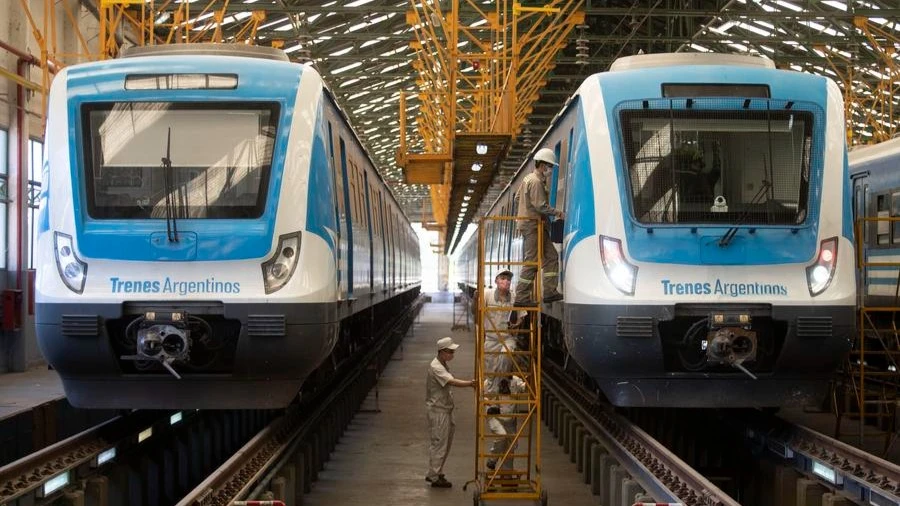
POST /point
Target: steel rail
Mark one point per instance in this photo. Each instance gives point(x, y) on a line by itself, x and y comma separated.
point(663, 475)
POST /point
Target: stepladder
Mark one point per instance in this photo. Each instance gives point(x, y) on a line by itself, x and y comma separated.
point(507, 372)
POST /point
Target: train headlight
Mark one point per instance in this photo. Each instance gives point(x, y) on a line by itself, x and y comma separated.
point(620, 272)
point(278, 269)
point(819, 274)
point(71, 269)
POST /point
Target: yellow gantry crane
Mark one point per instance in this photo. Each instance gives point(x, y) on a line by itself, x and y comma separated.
point(869, 91)
point(507, 419)
point(480, 68)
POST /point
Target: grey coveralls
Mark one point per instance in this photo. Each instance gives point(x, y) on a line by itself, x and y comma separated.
point(533, 204)
point(439, 402)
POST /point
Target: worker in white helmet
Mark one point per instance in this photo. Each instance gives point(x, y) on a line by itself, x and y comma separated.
point(533, 203)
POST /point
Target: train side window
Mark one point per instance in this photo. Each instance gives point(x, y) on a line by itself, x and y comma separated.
point(883, 233)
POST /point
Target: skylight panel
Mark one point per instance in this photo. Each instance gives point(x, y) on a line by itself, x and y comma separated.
point(373, 42)
point(347, 67)
point(837, 5)
point(342, 51)
point(275, 23)
point(357, 3)
point(754, 29)
point(787, 5)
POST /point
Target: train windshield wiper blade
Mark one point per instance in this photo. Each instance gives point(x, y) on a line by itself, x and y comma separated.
point(171, 202)
point(727, 237)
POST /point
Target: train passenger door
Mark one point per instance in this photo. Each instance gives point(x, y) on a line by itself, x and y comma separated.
point(384, 243)
point(368, 190)
point(349, 220)
point(339, 210)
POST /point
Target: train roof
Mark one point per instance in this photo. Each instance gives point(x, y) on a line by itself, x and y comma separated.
point(207, 49)
point(641, 61)
point(865, 154)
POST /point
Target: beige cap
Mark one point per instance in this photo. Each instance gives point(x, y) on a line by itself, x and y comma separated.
point(446, 343)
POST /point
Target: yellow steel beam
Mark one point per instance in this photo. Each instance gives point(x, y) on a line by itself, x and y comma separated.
point(492, 85)
point(12, 76)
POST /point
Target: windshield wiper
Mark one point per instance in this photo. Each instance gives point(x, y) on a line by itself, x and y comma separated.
point(725, 240)
point(171, 203)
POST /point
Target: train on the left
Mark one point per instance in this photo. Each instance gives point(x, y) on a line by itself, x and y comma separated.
point(211, 229)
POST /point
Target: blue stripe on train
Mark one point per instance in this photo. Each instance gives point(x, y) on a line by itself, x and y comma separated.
point(259, 81)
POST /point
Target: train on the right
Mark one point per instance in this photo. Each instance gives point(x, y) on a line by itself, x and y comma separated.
point(875, 176)
point(707, 256)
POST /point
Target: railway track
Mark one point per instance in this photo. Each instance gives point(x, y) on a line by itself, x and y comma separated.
point(159, 457)
point(283, 460)
point(136, 445)
point(600, 440)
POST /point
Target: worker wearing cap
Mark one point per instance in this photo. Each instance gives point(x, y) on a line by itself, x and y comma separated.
point(533, 204)
point(439, 402)
point(497, 342)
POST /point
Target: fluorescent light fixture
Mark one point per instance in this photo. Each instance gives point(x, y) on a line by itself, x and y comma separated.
point(53, 484)
point(105, 456)
point(146, 433)
point(476, 166)
point(175, 418)
point(826, 473)
point(481, 148)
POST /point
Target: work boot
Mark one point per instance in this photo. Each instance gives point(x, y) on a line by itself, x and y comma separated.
point(553, 298)
point(441, 482)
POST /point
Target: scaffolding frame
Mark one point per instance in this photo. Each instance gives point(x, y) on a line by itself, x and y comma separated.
point(876, 391)
point(507, 481)
point(461, 311)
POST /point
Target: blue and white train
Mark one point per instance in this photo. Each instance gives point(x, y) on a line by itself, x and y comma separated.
point(875, 174)
point(707, 258)
point(211, 229)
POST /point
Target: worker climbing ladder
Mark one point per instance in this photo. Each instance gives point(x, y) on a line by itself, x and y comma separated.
point(508, 437)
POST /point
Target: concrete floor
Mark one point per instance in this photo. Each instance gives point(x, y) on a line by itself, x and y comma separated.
point(22, 391)
point(382, 458)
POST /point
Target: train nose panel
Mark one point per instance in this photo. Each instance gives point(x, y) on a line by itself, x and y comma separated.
point(713, 254)
point(182, 249)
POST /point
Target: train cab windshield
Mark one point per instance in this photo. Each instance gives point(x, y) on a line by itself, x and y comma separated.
point(718, 167)
point(148, 160)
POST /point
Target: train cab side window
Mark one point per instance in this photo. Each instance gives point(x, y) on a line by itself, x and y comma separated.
point(883, 230)
point(554, 179)
point(564, 167)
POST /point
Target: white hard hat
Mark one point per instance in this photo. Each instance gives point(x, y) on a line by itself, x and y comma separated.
point(545, 155)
